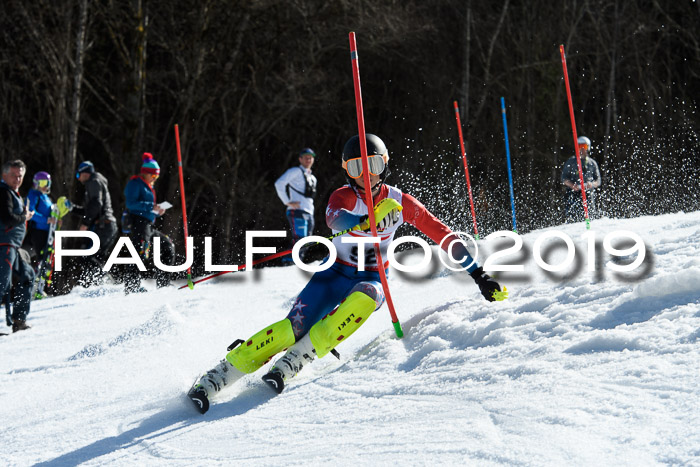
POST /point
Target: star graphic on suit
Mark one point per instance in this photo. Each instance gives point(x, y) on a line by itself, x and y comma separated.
point(298, 318)
point(331, 214)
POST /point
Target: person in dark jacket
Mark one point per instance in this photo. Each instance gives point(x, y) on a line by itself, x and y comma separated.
point(96, 215)
point(142, 211)
point(14, 216)
point(573, 200)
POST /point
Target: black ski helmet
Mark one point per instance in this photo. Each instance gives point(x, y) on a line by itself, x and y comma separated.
point(375, 147)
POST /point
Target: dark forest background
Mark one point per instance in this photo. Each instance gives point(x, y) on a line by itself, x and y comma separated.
point(252, 82)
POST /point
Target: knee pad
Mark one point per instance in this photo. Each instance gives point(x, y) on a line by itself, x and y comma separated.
point(372, 290)
point(340, 323)
point(259, 349)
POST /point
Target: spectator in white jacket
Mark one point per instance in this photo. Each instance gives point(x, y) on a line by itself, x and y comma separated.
point(297, 189)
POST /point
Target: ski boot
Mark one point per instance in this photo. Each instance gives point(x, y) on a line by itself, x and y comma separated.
point(222, 375)
point(290, 364)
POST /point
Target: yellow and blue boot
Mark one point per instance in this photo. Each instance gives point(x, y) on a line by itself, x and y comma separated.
point(243, 357)
point(322, 338)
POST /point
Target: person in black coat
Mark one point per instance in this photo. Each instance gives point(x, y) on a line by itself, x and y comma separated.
point(14, 216)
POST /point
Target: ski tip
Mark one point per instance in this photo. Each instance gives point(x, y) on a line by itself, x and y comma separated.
point(275, 381)
point(199, 398)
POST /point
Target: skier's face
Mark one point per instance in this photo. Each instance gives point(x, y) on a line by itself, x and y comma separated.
point(373, 180)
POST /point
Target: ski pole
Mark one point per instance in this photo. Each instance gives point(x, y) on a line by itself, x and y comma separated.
point(368, 187)
point(190, 284)
point(510, 172)
point(573, 128)
point(267, 258)
point(466, 169)
point(255, 263)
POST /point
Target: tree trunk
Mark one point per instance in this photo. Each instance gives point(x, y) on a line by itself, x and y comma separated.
point(467, 70)
point(611, 110)
point(74, 121)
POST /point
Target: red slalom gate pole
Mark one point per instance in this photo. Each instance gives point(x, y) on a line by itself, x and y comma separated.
point(368, 187)
point(573, 127)
point(190, 284)
point(466, 169)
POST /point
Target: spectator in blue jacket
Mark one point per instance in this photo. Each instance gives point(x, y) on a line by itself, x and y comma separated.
point(39, 201)
point(141, 213)
point(13, 218)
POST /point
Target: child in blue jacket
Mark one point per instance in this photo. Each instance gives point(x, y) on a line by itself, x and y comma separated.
point(38, 228)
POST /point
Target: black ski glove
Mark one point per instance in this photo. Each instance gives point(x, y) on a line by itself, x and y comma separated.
point(488, 286)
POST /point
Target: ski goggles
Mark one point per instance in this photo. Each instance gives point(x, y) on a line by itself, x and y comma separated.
point(583, 146)
point(43, 183)
point(377, 165)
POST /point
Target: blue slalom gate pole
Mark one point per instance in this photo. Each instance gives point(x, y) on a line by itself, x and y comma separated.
point(510, 172)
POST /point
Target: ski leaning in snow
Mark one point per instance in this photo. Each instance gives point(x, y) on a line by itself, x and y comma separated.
point(44, 269)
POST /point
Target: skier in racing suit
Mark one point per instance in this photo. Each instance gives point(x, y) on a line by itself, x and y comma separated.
point(343, 296)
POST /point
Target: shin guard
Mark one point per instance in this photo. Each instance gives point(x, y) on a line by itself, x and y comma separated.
point(259, 349)
point(340, 323)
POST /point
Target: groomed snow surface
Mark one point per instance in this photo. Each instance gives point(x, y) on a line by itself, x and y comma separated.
point(577, 368)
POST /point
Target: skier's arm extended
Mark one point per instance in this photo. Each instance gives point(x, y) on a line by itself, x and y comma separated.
point(418, 215)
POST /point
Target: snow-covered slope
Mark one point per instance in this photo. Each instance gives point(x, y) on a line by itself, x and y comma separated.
point(576, 368)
